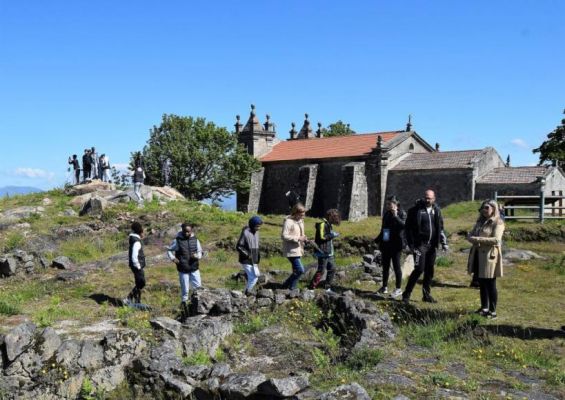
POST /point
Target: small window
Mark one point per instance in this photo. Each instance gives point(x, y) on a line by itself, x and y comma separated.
point(411, 147)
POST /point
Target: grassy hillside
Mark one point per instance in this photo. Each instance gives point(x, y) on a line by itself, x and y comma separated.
point(519, 343)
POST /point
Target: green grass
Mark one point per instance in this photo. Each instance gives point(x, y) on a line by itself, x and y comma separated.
point(197, 358)
point(81, 250)
point(14, 240)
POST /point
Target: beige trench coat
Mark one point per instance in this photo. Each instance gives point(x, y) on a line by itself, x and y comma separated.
point(487, 247)
point(292, 230)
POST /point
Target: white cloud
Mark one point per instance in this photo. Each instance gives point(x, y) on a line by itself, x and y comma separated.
point(34, 173)
point(520, 143)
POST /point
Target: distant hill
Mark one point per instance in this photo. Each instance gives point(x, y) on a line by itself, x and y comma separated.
point(14, 190)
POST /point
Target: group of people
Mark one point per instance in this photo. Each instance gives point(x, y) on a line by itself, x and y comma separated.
point(418, 231)
point(93, 166)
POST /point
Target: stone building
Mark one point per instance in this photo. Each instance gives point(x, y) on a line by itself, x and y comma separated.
point(356, 173)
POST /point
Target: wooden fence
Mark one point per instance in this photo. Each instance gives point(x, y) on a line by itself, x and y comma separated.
point(543, 206)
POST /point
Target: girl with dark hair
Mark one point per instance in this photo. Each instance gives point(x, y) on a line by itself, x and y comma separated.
point(391, 241)
point(485, 257)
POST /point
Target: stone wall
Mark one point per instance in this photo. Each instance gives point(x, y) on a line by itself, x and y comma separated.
point(485, 191)
point(489, 160)
point(249, 202)
point(451, 185)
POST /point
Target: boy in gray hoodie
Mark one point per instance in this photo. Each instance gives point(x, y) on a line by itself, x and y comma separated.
point(248, 249)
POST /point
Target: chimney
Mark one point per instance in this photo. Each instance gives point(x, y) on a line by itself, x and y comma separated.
point(319, 131)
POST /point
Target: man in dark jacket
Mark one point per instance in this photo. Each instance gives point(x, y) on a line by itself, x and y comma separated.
point(248, 249)
point(86, 165)
point(76, 166)
point(185, 251)
point(136, 259)
point(424, 234)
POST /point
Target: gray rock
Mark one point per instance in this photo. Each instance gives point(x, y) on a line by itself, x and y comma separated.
point(368, 258)
point(167, 324)
point(177, 386)
point(294, 293)
point(62, 262)
point(70, 388)
point(520, 255)
point(198, 372)
point(94, 206)
point(203, 333)
point(266, 293)
point(48, 343)
point(241, 386)
point(121, 347)
point(284, 387)
point(68, 353)
point(354, 391)
point(69, 212)
point(91, 355)
point(43, 262)
point(308, 295)
point(264, 302)
point(8, 266)
point(211, 301)
point(29, 267)
point(220, 370)
point(15, 214)
point(108, 378)
point(400, 397)
point(70, 276)
point(450, 394)
point(279, 298)
point(23, 257)
point(18, 340)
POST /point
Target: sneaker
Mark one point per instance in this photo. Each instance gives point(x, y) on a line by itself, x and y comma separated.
point(492, 315)
point(483, 312)
point(429, 299)
point(383, 290)
point(396, 293)
point(329, 290)
point(126, 301)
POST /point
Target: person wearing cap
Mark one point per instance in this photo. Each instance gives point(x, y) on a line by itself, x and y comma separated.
point(248, 249)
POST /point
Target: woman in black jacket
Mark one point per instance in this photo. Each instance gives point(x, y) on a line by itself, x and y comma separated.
point(391, 241)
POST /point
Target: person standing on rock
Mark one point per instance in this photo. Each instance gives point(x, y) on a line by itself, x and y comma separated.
point(485, 257)
point(293, 238)
point(136, 259)
point(94, 162)
point(391, 241)
point(138, 177)
point(424, 233)
point(76, 167)
point(104, 163)
point(325, 255)
point(185, 251)
point(248, 249)
point(86, 165)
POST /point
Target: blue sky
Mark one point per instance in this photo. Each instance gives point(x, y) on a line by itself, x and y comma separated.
point(76, 74)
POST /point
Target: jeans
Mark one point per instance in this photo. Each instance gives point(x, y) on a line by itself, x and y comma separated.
point(424, 260)
point(324, 263)
point(137, 191)
point(188, 279)
point(106, 175)
point(252, 272)
point(297, 271)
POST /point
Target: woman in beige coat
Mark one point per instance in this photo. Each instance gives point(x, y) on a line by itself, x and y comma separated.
point(293, 238)
point(485, 258)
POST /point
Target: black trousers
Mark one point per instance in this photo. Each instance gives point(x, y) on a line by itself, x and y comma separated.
point(139, 276)
point(324, 263)
point(77, 176)
point(489, 294)
point(424, 260)
point(389, 255)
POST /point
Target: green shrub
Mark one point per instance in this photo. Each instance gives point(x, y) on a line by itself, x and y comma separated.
point(198, 358)
point(362, 359)
point(13, 241)
point(8, 309)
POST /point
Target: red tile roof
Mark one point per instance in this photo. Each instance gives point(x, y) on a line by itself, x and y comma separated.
point(330, 147)
point(513, 175)
point(438, 160)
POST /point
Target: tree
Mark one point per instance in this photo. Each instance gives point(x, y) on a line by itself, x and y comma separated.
point(338, 129)
point(553, 149)
point(204, 161)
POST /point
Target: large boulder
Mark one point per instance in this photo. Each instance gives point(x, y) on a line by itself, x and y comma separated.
point(11, 216)
point(285, 387)
point(62, 262)
point(18, 340)
point(94, 206)
point(94, 186)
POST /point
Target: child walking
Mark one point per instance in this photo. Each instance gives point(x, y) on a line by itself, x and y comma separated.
point(248, 249)
point(324, 240)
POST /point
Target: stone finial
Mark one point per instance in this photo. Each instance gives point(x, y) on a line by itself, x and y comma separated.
point(269, 126)
point(379, 142)
point(319, 131)
point(306, 130)
point(292, 131)
point(409, 123)
point(508, 160)
point(238, 124)
point(437, 146)
point(253, 109)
